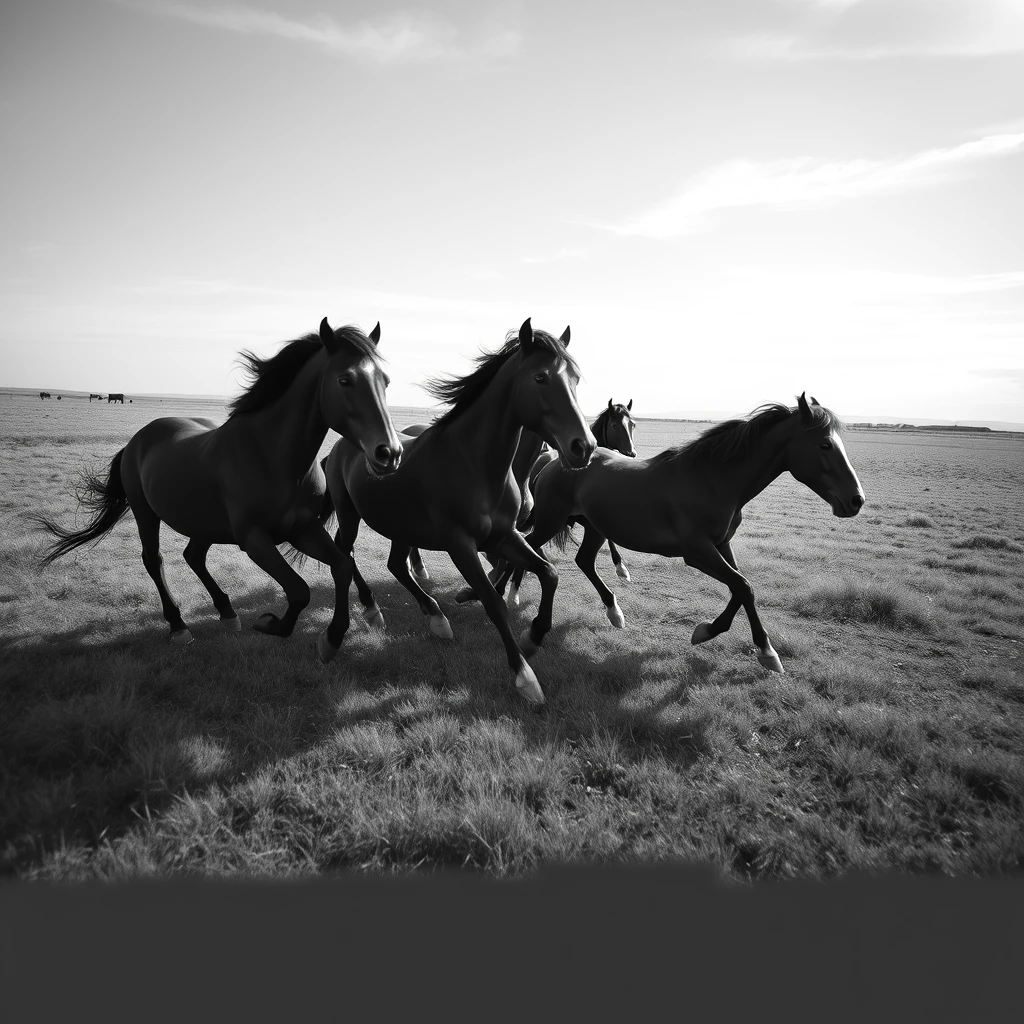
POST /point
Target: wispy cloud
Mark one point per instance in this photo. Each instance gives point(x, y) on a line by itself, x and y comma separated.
point(875, 29)
point(564, 253)
point(804, 182)
point(393, 38)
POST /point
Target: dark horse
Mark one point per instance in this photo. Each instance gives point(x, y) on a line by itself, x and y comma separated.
point(100, 397)
point(613, 429)
point(115, 398)
point(45, 394)
point(455, 491)
point(687, 501)
point(254, 480)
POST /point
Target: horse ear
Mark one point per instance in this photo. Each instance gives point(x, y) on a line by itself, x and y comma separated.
point(814, 401)
point(609, 403)
point(629, 406)
point(805, 409)
point(327, 337)
point(374, 335)
point(565, 337)
point(526, 335)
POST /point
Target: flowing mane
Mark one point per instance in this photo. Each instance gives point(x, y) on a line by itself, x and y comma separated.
point(269, 379)
point(599, 428)
point(461, 392)
point(729, 441)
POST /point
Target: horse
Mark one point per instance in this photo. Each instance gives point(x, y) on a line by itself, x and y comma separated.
point(455, 491)
point(115, 398)
point(45, 394)
point(687, 501)
point(254, 480)
point(91, 397)
point(612, 429)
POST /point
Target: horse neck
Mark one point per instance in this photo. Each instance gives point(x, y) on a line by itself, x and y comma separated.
point(526, 454)
point(488, 432)
point(292, 428)
point(764, 461)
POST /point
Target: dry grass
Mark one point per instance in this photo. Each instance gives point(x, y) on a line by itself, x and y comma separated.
point(894, 741)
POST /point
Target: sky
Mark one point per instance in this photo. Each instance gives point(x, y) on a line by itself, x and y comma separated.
point(729, 202)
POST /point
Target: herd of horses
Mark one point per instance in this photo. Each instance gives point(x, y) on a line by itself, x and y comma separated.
point(510, 465)
point(110, 398)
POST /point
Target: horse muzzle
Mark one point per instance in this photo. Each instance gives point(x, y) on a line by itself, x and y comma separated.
point(580, 452)
point(848, 508)
point(384, 460)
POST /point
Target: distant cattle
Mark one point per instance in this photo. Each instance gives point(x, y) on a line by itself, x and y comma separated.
point(91, 397)
point(45, 394)
point(115, 398)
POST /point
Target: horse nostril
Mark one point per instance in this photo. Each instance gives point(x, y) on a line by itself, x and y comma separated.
point(384, 454)
point(857, 502)
point(578, 448)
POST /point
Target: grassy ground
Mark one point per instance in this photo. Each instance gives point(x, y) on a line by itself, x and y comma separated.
point(894, 741)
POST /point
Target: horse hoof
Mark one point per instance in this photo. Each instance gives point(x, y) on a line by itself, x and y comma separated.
point(265, 623)
point(181, 636)
point(770, 660)
point(615, 616)
point(232, 625)
point(527, 685)
point(465, 594)
point(622, 572)
point(374, 619)
point(512, 601)
point(441, 627)
point(701, 633)
point(325, 649)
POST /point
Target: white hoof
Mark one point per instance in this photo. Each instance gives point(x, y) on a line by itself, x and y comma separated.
point(231, 625)
point(182, 637)
point(615, 616)
point(441, 627)
point(324, 648)
point(770, 659)
point(512, 600)
point(527, 685)
point(374, 619)
point(526, 644)
point(701, 633)
point(622, 572)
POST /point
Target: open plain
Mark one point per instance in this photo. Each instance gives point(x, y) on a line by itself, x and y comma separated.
point(893, 741)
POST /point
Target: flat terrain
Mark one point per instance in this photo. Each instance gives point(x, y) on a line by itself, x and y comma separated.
point(893, 741)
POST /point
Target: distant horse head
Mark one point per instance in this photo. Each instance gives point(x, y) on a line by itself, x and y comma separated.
point(817, 457)
point(352, 395)
point(545, 395)
point(614, 428)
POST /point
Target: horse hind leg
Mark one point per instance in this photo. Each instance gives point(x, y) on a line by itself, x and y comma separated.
point(416, 562)
point(149, 533)
point(195, 555)
point(586, 559)
point(398, 563)
point(620, 566)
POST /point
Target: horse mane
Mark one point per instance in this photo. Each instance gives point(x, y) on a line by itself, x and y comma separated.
point(599, 428)
point(728, 441)
point(270, 378)
point(461, 392)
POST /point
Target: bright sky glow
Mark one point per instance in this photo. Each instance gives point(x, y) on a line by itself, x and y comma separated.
point(729, 202)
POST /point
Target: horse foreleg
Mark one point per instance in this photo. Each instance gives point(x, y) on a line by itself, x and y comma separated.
point(316, 542)
point(709, 630)
point(398, 563)
point(195, 555)
point(256, 543)
point(586, 559)
point(498, 576)
point(711, 561)
point(149, 533)
point(519, 553)
point(620, 566)
point(464, 554)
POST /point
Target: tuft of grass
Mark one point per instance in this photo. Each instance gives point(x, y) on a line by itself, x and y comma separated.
point(882, 604)
point(921, 522)
point(988, 540)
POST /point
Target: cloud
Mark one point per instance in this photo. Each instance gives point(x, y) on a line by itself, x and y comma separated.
point(562, 254)
point(804, 182)
point(402, 36)
point(875, 29)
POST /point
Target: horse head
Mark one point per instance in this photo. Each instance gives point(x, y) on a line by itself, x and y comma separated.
point(352, 395)
point(817, 458)
point(545, 396)
point(618, 426)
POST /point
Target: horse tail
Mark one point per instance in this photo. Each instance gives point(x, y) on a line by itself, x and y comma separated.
point(105, 499)
point(564, 535)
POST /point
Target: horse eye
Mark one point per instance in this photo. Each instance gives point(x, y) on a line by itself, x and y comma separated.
point(540, 378)
point(345, 382)
point(826, 447)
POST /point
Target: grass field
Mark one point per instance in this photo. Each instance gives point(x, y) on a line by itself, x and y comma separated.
point(894, 741)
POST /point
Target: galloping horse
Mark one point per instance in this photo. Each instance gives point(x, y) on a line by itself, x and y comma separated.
point(612, 429)
point(455, 491)
point(253, 481)
point(115, 398)
point(687, 501)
